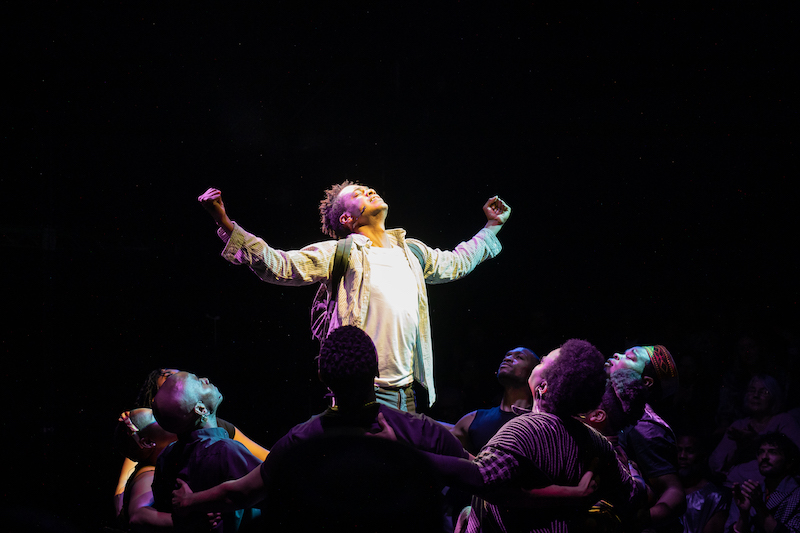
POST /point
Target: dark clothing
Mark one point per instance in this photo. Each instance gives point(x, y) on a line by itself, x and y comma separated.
point(702, 504)
point(418, 430)
point(203, 459)
point(531, 451)
point(229, 428)
point(486, 423)
point(783, 504)
point(123, 519)
point(652, 445)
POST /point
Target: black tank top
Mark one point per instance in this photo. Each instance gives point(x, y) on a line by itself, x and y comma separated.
point(486, 423)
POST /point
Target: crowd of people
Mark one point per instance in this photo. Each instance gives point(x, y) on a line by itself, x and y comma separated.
point(578, 442)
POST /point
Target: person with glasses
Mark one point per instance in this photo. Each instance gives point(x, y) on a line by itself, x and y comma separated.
point(763, 402)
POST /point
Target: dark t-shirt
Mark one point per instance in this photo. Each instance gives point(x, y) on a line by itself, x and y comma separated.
point(203, 458)
point(417, 430)
point(227, 426)
point(652, 445)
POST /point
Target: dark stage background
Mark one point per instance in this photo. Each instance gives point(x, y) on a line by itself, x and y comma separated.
point(648, 153)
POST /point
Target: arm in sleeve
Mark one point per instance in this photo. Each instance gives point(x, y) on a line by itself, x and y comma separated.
point(442, 266)
point(295, 267)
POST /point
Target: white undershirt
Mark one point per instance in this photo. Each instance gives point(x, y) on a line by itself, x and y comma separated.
point(392, 315)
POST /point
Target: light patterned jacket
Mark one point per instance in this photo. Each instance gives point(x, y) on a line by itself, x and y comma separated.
point(313, 264)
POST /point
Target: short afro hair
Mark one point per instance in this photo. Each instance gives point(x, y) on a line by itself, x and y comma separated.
point(331, 208)
point(576, 380)
point(347, 358)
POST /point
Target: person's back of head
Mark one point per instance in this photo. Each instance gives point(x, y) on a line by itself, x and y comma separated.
point(661, 368)
point(622, 405)
point(347, 360)
point(575, 379)
point(331, 208)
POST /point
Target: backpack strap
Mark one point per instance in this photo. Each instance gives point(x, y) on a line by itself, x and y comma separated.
point(417, 252)
point(325, 300)
point(341, 260)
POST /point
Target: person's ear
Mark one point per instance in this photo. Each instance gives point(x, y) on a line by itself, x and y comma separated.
point(541, 389)
point(598, 416)
point(345, 219)
point(648, 381)
point(201, 409)
point(146, 444)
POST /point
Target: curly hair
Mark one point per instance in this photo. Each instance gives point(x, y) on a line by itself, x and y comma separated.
point(331, 209)
point(785, 445)
point(576, 380)
point(347, 357)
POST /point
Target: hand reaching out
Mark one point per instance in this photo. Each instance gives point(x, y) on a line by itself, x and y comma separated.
point(180, 498)
point(386, 432)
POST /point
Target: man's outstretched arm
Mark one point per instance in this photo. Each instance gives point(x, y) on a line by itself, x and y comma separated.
point(232, 495)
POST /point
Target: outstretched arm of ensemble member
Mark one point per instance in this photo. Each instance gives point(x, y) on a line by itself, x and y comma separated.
point(235, 494)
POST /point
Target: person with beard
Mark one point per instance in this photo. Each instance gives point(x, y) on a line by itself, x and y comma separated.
point(651, 443)
point(763, 402)
point(707, 505)
point(476, 428)
point(548, 446)
point(774, 506)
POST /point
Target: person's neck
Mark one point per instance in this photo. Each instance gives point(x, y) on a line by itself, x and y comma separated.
point(519, 396)
point(693, 483)
point(771, 484)
point(354, 401)
point(376, 233)
point(761, 419)
point(209, 423)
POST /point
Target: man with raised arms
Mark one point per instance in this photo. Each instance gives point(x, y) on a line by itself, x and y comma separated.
point(382, 290)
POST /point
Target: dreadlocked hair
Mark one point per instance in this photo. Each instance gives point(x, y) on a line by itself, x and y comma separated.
point(149, 389)
point(331, 209)
point(348, 357)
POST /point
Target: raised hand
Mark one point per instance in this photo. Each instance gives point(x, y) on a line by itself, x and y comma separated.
point(211, 200)
point(496, 211)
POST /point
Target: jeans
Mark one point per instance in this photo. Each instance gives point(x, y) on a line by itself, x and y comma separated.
point(402, 398)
